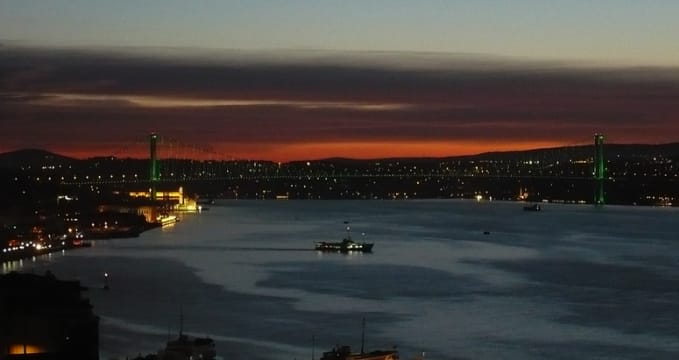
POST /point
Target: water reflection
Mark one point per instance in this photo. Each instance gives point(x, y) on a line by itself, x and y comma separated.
point(246, 273)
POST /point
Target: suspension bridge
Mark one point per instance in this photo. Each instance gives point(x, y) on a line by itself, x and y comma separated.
point(171, 161)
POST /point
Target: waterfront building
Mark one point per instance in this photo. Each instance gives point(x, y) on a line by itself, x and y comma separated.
point(177, 200)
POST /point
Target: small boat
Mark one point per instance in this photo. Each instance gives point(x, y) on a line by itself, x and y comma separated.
point(166, 219)
point(344, 246)
point(534, 207)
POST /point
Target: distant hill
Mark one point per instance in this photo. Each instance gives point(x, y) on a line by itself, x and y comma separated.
point(670, 150)
point(627, 151)
point(33, 157)
point(39, 158)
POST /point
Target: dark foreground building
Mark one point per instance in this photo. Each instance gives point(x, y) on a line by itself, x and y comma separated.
point(44, 318)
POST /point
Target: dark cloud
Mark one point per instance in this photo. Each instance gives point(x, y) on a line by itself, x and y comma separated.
point(107, 96)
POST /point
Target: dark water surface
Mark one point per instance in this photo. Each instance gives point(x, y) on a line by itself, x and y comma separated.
point(569, 282)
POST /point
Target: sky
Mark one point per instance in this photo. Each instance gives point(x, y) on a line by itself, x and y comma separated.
point(303, 79)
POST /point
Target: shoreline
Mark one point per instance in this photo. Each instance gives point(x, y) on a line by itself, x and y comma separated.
point(125, 232)
point(30, 252)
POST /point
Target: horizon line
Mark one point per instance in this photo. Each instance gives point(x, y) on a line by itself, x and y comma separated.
point(6, 152)
point(385, 57)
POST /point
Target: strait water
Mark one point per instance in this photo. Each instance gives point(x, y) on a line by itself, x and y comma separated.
point(570, 282)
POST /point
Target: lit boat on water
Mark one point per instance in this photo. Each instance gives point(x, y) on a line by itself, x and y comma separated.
point(345, 246)
point(343, 352)
point(167, 219)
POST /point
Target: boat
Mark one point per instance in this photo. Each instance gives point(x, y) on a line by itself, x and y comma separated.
point(534, 207)
point(186, 347)
point(166, 219)
point(344, 246)
point(343, 352)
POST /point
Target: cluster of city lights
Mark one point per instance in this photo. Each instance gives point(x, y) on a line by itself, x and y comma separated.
point(19, 246)
point(28, 245)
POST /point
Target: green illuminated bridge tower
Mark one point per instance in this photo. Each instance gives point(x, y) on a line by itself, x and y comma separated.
point(599, 169)
point(153, 175)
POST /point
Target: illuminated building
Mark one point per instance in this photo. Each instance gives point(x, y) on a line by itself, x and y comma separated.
point(45, 318)
point(176, 199)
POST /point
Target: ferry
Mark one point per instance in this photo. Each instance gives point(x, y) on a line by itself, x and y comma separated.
point(185, 347)
point(344, 352)
point(344, 246)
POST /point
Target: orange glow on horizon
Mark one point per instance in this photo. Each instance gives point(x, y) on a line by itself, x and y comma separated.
point(399, 149)
point(315, 151)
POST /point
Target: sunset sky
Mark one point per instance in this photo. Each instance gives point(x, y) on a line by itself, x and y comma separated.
point(303, 79)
